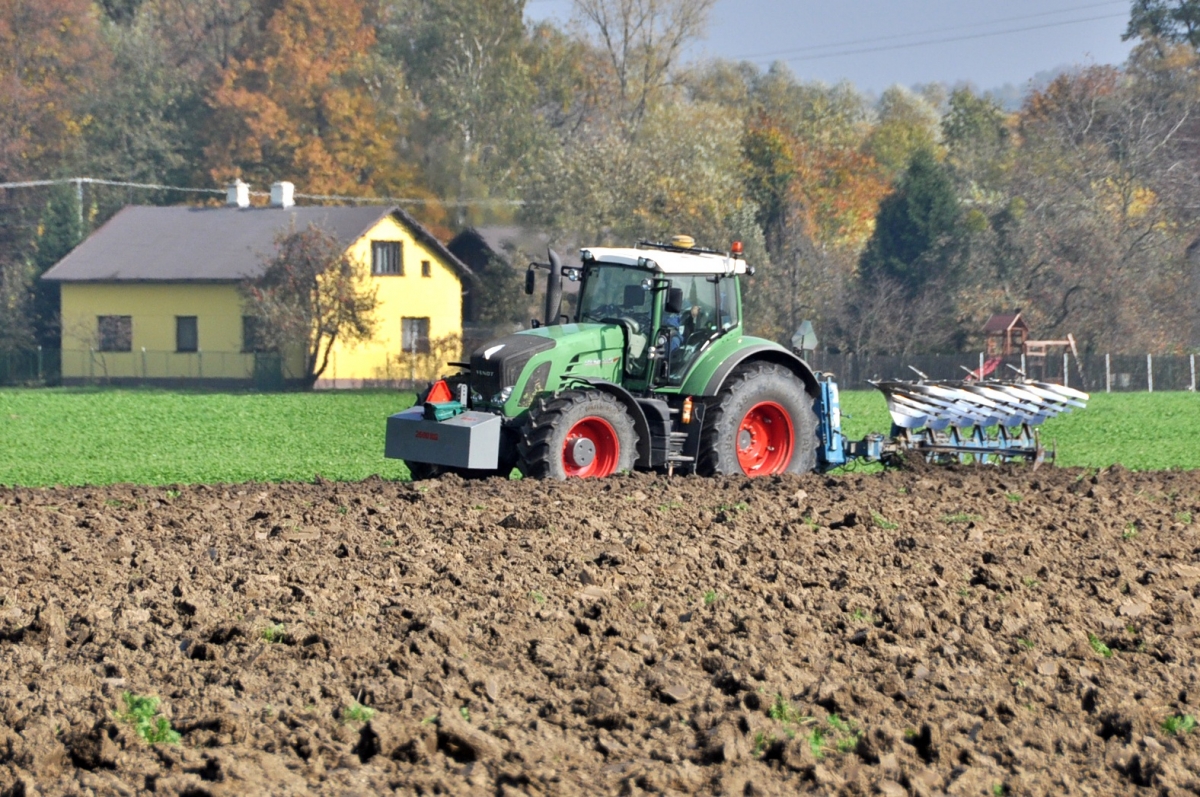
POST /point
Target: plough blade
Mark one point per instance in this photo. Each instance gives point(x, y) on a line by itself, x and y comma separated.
point(989, 421)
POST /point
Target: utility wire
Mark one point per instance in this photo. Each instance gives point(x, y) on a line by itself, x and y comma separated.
point(389, 200)
point(384, 200)
point(875, 40)
point(950, 39)
point(94, 181)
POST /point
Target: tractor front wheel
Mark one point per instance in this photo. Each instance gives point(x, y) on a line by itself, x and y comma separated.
point(762, 424)
point(578, 434)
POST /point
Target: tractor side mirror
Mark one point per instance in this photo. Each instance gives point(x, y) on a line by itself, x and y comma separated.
point(674, 301)
point(529, 278)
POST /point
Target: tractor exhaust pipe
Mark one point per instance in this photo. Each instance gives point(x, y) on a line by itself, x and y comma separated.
point(554, 289)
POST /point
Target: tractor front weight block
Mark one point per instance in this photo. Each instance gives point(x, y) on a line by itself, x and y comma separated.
point(468, 440)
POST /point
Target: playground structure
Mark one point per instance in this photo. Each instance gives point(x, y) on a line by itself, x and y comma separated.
point(1007, 335)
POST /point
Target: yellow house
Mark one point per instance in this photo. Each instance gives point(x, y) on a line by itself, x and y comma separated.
point(152, 296)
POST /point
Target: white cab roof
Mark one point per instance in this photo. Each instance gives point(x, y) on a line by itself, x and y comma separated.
point(665, 261)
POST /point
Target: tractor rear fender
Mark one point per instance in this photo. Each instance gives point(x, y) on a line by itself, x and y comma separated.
point(763, 352)
point(631, 406)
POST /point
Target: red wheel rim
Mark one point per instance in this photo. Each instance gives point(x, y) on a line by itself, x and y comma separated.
point(765, 439)
point(591, 449)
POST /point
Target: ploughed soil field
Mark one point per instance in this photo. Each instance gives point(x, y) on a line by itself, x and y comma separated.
point(959, 631)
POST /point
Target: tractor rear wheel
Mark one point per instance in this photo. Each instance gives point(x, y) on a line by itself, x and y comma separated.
point(578, 434)
point(761, 424)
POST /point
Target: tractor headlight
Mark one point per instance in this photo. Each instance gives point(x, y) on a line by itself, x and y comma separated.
point(503, 396)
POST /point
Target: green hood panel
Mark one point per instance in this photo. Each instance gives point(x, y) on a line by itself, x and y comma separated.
point(594, 351)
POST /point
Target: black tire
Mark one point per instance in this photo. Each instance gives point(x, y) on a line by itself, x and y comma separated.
point(747, 387)
point(545, 433)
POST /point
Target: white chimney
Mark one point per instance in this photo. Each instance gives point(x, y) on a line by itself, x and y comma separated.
point(239, 195)
point(282, 195)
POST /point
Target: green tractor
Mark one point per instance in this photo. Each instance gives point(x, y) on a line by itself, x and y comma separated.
point(653, 372)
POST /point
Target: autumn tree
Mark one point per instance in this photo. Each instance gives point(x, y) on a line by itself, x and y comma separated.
point(641, 42)
point(817, 191)
point(50, 57)
point(299, 100)
point(1104, 184)
point(310, 296)
point(978, 141)
point(467, 63)
point(146, 124)
point(1175, 21)
point(907, 124)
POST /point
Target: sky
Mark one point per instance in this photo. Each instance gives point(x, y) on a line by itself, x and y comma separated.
point(870, 42)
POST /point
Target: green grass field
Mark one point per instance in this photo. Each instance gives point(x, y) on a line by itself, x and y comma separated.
point(74, 437)
point(164, 437)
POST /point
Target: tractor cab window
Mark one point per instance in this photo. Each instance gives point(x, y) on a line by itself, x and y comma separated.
point(727, 302)
point(620, 295)
point(707, 312)
point(615, 292)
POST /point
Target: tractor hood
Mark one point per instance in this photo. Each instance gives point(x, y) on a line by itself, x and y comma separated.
point(498, 367)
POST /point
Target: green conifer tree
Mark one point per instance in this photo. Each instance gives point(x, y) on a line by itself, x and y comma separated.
point(59, 231)
point(915, 229)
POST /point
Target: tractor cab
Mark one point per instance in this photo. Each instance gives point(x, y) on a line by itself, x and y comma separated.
point(672, 302)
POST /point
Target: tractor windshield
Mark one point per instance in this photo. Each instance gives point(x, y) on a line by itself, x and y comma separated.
point(611, 293)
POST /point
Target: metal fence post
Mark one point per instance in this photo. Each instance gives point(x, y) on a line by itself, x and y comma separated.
point(1150, 372)
point(1066, 371)
point(144, 364)
point(1022, 363)
point(981, 366)
point(39, 363)
point(1108, 373)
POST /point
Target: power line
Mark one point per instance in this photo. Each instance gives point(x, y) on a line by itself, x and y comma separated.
point(875, 40)
point(78, 182)
point(93, 181)
point(388, 200)
point(950, 39)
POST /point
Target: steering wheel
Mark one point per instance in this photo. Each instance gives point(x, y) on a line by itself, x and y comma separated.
point(698, 337)
point(602, 312)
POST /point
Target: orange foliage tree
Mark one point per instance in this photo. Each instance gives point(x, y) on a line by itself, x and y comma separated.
point(50, 58)
point(817, 202)
point(833, 191)
point(300, 102)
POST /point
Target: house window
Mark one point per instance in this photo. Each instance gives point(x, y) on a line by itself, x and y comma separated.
point(426, 268)
point(252, 337)
point(187, 336)
point(415, 335)
point(115, 332)
point(387, 258)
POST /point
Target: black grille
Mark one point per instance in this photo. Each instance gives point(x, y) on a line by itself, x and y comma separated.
point(491, 375)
